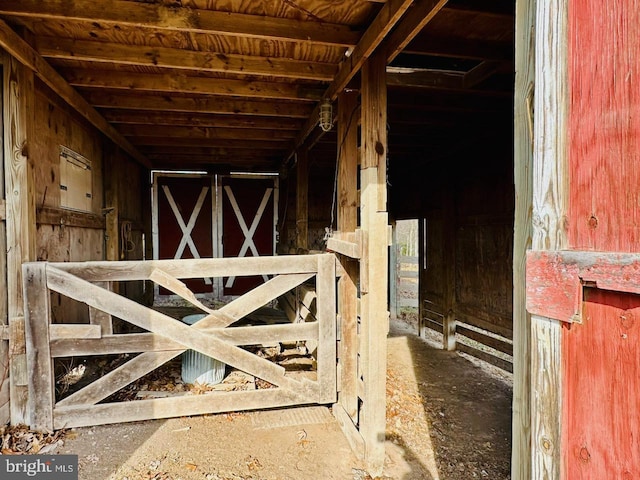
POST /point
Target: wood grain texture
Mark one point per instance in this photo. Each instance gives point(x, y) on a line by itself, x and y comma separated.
point(601, 356)
point(164, 18)
point(83, 415)
point(374, 224)
point(550, 193)
point(39, 362)
point(22, 52)
point(347, 222)
point(522, 234)
point(302, 201)
point(18, 102)
point(88, 51)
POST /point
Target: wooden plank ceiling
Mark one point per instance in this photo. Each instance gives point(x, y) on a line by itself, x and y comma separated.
point(236, 84)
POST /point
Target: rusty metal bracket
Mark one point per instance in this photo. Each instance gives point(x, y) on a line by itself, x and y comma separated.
point(556, 280)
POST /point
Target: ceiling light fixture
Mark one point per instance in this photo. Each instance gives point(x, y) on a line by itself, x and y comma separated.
point(326, 115)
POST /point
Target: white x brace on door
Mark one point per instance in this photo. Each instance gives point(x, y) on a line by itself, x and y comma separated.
point(202, 216)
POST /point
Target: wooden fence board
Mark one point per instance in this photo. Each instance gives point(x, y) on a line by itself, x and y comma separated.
point(39, 362)
point(74, 330)
point(218, 402)
point(150, 342)
point(191, 268)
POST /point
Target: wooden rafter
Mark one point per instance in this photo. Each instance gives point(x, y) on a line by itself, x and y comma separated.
point(23, 52)
point(204, 132)
point(216, 104)
point(200, 120)
point(178, 82)
point(157, 17)
point(190, 60)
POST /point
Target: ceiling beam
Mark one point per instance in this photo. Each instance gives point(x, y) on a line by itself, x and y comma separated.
point(203, 132)
point(220, 105)
point(420, 15)
point(174, 58)
point(135, 117)
point(26, 55)
point(211, 142)
point(154, 151)
point(158, 17)
point(426, 44)
point(178, 82)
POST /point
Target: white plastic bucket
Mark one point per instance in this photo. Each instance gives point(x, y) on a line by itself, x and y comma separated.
point(199, 368)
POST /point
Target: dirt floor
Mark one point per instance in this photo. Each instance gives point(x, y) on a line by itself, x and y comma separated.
point(448, 417)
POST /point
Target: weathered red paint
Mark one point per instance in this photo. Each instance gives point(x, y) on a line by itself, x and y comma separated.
point(601, 357)
point(555, 280)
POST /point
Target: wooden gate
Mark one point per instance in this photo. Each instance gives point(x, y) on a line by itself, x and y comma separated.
point(164, 338)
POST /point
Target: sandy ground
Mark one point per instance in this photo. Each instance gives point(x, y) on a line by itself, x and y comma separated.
point(447, 418)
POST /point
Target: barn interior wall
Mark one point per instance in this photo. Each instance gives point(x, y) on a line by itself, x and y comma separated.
point(320, 192)
point(467, 207)
point(71, 235)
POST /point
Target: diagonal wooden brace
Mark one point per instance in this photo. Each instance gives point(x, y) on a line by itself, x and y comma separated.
point(191, 337)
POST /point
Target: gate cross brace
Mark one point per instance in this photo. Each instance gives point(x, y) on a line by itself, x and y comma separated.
point(556, 280)
point(193, 337)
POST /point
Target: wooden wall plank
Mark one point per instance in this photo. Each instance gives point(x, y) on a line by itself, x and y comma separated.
point(302, 201)
point(18, 102)
point(449, 263)
point(549, 231)
point(602, 355)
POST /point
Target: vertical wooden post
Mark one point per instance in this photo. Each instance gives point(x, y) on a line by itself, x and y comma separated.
point(347, 202)
point(18, 108)
point(374, 282)
point(523, 160)
point(326, 311)
point(302, 201)
point(449, 249)
point(112, 234)
point(394, 275)
point(5, 413)
point(549, 231)
point(41, 392)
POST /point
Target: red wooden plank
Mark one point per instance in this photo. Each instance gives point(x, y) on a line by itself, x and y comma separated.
point(555, 280)
point(601, 357)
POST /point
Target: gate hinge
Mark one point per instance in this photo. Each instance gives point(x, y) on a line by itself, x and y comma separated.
point(556, 280)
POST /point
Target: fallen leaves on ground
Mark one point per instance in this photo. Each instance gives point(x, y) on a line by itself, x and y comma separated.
point(19, 440)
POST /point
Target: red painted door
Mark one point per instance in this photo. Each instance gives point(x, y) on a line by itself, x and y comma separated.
point(184, 222)
point(248, 225)
point(601, 356)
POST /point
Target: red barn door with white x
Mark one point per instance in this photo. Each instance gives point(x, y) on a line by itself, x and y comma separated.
point(184, 222)
point(248, 224)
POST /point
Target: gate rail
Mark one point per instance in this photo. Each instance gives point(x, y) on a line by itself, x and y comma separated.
point(166, 337)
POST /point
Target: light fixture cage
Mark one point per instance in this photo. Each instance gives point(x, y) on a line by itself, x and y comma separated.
point(326, 116)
